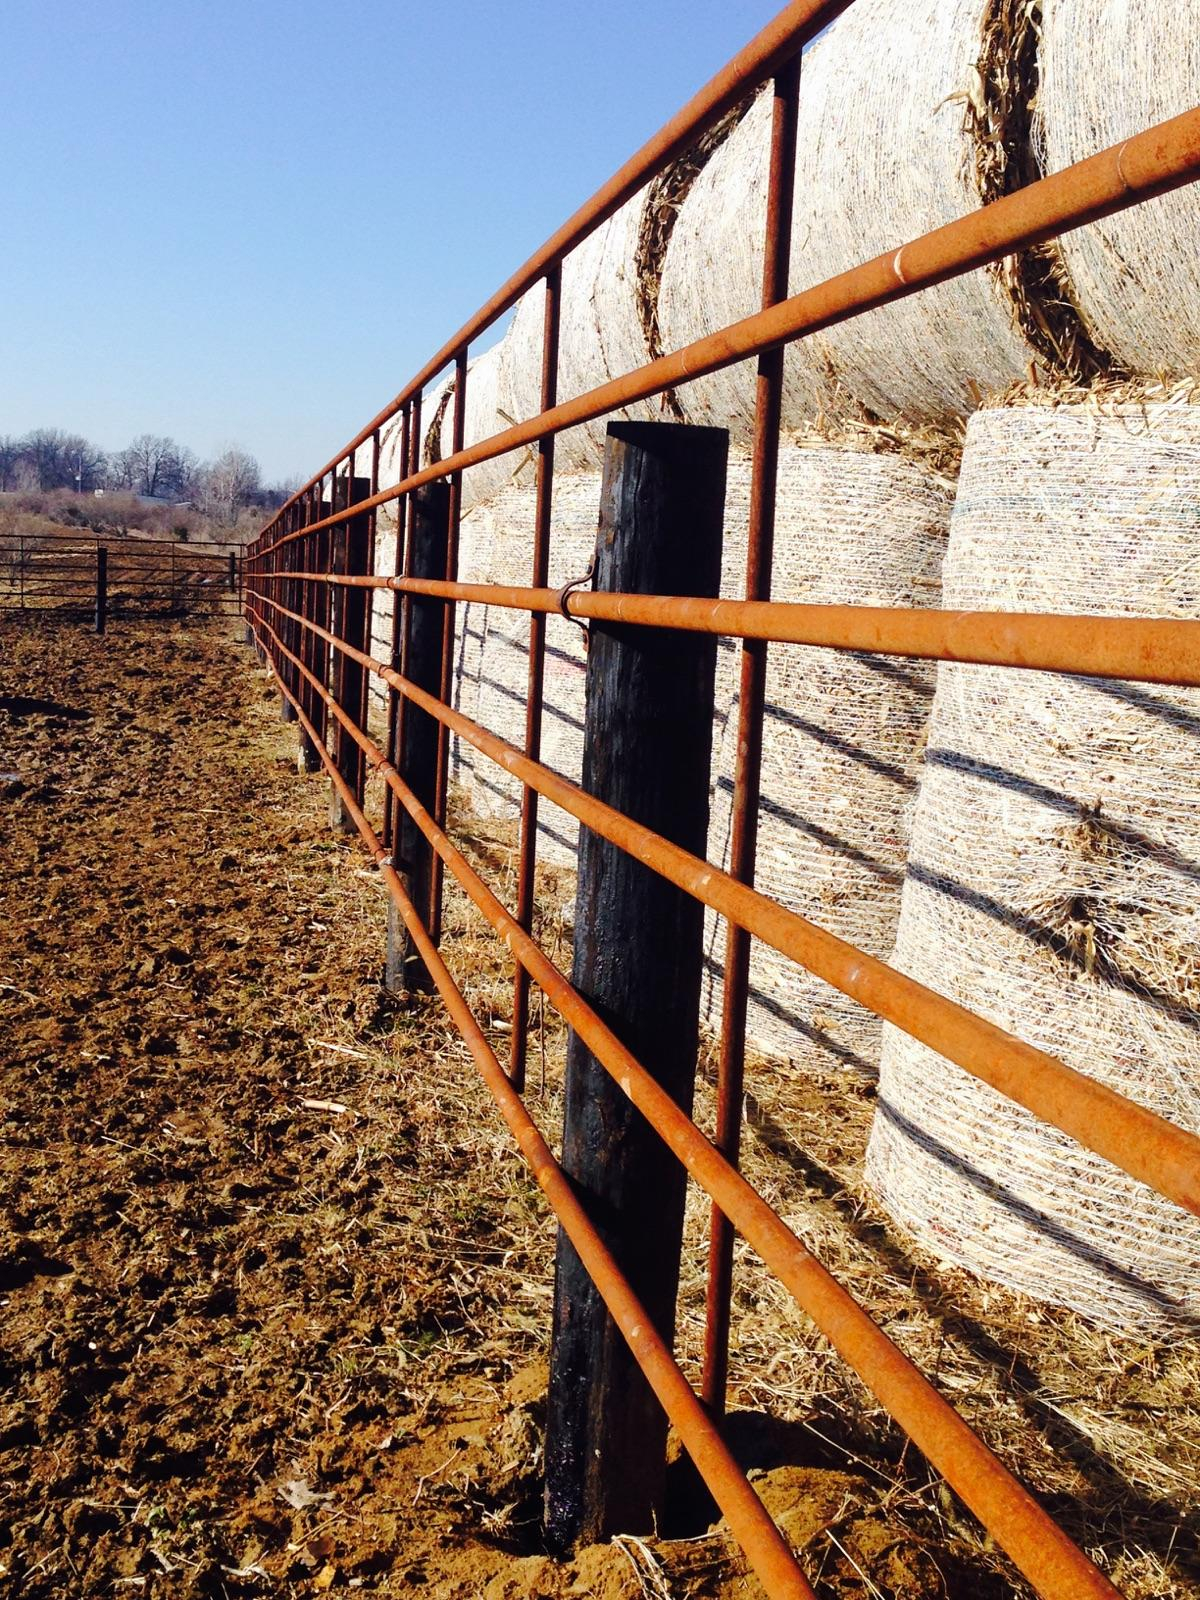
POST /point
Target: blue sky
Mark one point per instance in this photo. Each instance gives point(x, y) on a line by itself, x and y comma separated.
point(252, 222)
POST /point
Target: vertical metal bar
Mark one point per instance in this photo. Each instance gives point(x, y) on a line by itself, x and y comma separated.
point(537, 663)
point(752, 694)
point(391, 746)
point(338, 546)
point(447, 686)
point(372, 530)
point(288, 675)
point(406, 568)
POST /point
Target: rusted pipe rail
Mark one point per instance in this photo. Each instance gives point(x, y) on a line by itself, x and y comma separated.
point(1036, 1544)
point(1144, 649)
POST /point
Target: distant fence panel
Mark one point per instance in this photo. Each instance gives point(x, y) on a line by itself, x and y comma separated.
point(57, 573)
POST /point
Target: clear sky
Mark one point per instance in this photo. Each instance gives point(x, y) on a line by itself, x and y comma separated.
point(251, 222)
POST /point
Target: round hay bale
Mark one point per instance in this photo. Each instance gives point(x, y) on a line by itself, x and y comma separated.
point(843, 732)
point(505, 542)
point(600, 335)
point(1108, 72)
point(486, 415)
point(1054, 873)
point(475, 537)
point(888, 148)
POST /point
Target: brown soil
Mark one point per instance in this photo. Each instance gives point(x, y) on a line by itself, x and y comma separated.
point(274, 1289)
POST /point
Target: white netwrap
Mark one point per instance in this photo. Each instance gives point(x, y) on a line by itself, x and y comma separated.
point(1054, 874)
point(1109, 70)
point(843, 732)
point(600, 335)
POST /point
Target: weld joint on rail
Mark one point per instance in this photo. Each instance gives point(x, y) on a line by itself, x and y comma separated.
point(1120, 164)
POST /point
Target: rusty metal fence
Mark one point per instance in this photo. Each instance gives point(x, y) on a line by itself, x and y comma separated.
point(308, 580)
point(84, 573)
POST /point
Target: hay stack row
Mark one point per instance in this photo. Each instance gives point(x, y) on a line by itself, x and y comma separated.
point(970, 99)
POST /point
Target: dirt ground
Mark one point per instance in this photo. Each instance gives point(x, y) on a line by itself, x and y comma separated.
point(274, 1289)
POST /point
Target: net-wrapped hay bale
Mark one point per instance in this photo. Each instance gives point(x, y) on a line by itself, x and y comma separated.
point(601, 335)
point(476, 534)
point(1054, 874)
point(382, 600)
point(486, 414)
point(887, 149)
point(502, 683)
point(843, 731)
point(1108, 72)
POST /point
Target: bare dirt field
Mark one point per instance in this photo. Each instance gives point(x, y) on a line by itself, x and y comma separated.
point(274, 1290)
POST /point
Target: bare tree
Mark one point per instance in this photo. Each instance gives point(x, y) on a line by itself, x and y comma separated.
point(156, 466)
point(180, 472)
point(11, 452)
point(58, 460)
point(229, 483)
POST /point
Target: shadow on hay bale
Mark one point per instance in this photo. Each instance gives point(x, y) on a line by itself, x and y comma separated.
point(843, 732)
point(1054, 876)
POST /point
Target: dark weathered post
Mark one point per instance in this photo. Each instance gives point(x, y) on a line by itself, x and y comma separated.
point(283, 595)
point(233, 574)
point(323, 614)
point(305, 605)
point(410, 452)
point(101, 588)
point(638, 957)
point(424, 627)
point(353, 611)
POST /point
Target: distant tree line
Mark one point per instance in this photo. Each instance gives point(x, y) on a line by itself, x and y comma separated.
point(157, 467)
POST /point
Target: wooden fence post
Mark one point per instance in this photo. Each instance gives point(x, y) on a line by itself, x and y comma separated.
point(305, 603)
point(101, 588)
point(322, 607)
point(638, 959)
point(283, 594)
point(424, 630)
point(353, 616)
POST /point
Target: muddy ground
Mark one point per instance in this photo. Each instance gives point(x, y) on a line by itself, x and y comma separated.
point(274, 1291)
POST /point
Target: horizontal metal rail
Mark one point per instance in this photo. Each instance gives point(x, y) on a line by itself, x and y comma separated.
point(1143, 649)
point(1146, 1146)
point(1163, 158)
point(1023, 1529)
point(748, 1520)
